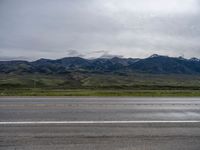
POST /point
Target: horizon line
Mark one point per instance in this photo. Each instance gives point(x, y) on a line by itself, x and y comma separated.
point(93, 58)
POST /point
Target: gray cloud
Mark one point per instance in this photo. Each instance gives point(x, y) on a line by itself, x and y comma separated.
point(74, 53)
point(92, 28)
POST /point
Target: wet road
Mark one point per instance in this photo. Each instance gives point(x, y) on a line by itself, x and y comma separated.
point(86, 123)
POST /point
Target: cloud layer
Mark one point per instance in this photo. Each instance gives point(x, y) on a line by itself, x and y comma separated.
point(91, 28)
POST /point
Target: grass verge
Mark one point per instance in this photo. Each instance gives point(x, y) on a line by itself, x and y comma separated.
point(90, 92)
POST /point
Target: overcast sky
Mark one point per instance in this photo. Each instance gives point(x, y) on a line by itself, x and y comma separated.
point(32, 29)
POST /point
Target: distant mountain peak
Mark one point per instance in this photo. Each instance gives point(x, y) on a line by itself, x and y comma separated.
point(154, 56)
point(181, 58)
point(194, 59)
point(109, 56)
point(42, 59)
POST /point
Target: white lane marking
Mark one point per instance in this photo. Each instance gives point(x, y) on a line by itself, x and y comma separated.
point(94, 122)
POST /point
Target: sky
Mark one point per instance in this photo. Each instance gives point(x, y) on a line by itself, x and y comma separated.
point(33, 29)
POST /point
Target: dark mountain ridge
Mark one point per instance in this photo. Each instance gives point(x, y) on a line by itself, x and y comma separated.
point(155, 64)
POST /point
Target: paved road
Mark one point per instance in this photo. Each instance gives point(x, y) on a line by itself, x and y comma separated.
point(181, 134)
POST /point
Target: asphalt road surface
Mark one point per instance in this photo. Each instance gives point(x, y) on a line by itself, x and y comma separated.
point(100, 123)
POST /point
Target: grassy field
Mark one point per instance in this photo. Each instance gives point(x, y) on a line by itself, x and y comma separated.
point(90, 92)
point(77, 84)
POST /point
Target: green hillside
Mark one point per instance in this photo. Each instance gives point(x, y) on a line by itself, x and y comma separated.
point(80, 84)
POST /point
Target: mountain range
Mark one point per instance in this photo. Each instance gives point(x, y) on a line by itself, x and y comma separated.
point(155, 64)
